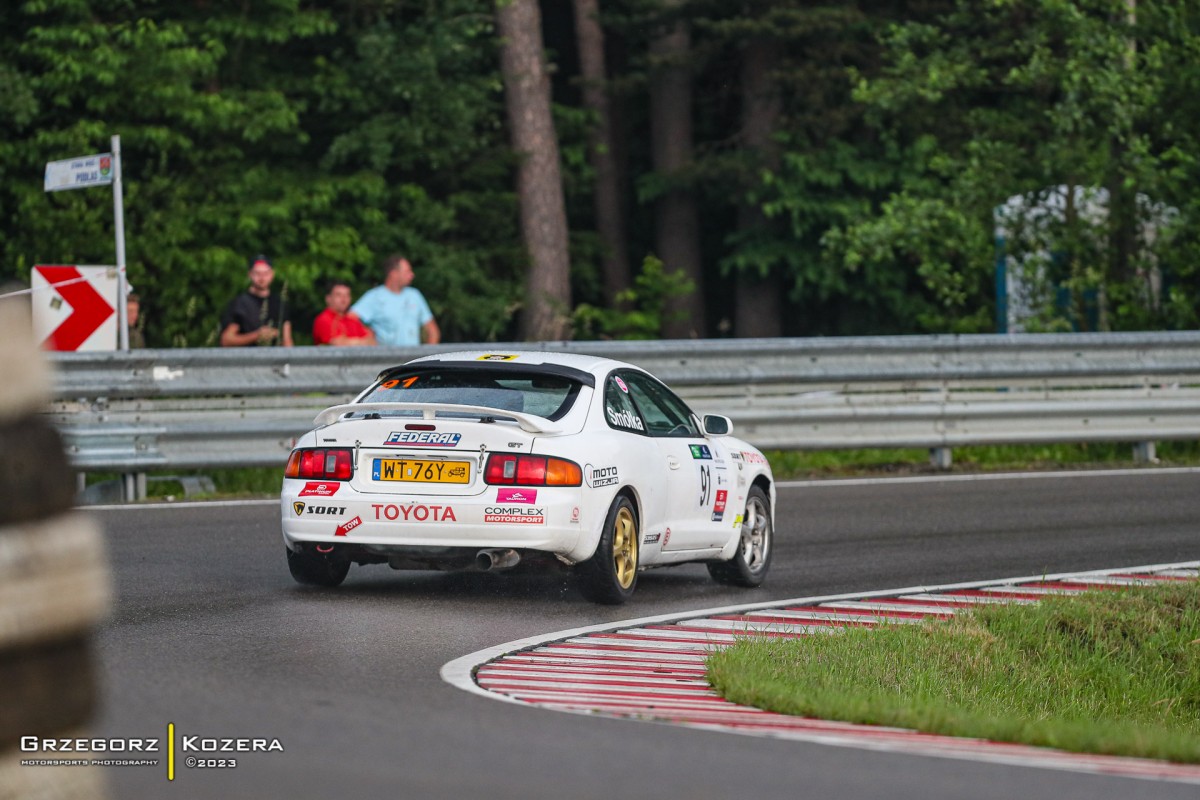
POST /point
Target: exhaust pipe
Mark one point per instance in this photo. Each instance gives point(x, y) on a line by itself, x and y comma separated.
point(487, 560)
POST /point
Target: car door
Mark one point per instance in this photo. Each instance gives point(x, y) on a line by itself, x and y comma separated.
point(695, 472)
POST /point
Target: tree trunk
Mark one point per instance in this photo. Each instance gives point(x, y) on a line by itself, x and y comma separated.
point(610, 217)
point(759, 298)
point(677, 229)
point(539, 181)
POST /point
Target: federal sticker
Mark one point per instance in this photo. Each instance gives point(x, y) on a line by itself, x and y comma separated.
point(422, 439)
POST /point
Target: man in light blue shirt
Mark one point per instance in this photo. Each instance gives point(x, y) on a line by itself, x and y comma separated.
point(397, 312)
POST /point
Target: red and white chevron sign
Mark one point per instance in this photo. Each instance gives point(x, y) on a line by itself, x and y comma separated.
point(74, 308)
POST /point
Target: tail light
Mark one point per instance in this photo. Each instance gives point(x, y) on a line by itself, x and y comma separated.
point(515, 469)
point(330, 464)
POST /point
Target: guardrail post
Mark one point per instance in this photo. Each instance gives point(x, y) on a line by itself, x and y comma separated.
point(1143, 453)
point(941, 457)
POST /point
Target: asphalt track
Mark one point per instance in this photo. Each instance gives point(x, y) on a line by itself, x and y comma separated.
point(211, 634)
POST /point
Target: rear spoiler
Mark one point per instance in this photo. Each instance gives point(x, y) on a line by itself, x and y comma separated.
point(528, 422)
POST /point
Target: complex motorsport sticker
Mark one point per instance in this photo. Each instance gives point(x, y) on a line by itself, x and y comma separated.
point(700, 451)
point(517, 515)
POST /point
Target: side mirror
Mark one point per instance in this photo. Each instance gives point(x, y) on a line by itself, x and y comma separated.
point(716, 425)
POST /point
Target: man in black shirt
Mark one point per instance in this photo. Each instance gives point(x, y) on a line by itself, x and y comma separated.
point(256, 317)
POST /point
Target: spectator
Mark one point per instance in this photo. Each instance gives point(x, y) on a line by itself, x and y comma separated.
point(256, 316)
point(396, 311)
point(133, 308)
point(333, 326)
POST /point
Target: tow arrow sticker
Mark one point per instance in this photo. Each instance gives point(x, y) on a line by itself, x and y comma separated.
point(342, 530)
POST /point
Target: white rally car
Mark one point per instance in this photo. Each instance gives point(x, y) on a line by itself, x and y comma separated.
point(481, 461)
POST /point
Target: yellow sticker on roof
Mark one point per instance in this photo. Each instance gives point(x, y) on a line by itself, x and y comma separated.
point(496, 357)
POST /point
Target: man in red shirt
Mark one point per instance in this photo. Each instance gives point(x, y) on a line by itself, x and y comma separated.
point(333, 327)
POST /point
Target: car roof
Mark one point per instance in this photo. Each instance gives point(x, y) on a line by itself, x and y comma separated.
point(597, 366)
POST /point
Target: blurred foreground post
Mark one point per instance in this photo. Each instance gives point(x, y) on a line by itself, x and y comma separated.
point(54, 583)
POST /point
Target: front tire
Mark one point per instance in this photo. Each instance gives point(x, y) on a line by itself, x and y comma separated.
point(609, 576)
point(317, 569)
point(752, 558)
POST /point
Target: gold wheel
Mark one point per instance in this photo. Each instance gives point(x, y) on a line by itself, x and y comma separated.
point(625, 547)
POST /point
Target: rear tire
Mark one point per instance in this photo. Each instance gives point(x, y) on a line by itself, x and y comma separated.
point(317, 569)
point(610, 576)
point(752, 558)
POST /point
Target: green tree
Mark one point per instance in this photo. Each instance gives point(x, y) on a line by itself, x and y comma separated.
point(1018, 97)
point(325, 137)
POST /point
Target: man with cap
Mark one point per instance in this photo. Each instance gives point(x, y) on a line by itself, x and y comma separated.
point(256, 316)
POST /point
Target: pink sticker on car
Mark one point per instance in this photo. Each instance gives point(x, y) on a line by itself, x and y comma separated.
point(516, 495)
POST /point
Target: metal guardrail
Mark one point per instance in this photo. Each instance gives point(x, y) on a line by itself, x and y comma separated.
point(167, 409)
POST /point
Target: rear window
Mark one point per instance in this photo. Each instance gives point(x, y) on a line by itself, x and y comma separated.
point(549, 396)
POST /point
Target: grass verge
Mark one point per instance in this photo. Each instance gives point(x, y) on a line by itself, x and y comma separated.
point(1114, 672)
point(815, 464)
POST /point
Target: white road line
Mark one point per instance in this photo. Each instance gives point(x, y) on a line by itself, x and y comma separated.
point(991, 476)
point(268, 501)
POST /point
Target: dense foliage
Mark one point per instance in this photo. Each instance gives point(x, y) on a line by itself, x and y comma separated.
point(331, 133)
point(325, 138)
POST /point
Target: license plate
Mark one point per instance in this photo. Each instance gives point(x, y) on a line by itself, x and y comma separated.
point(415, 470)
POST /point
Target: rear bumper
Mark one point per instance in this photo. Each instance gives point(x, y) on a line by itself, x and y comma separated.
point(552, 524)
